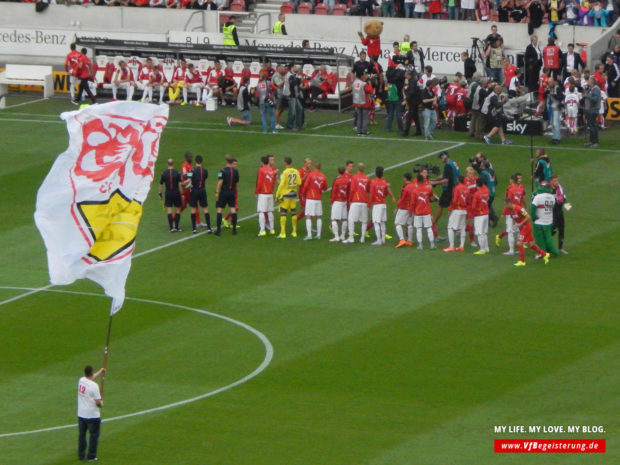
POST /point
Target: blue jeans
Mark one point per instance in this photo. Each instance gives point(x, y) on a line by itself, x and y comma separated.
point(266, 111)
point(387, 9)
point(554, 117)
point(408, 10)
point(418, 15)
point(430, 121)
point(394, 108)
point(295, 113)
point(453, 12)
point(93, 426)
point(496, 73)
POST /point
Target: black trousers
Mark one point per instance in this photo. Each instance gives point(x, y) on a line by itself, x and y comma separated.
point(558, 225)
point(413, 115)
point(93, 426)
point(84, 87)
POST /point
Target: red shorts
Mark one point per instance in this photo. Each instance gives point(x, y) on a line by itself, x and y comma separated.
point(451, 102)
point(460, 108)
point(525, 234)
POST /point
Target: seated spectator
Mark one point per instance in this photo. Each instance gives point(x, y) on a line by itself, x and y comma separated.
point(514, 84)
point(320, 86)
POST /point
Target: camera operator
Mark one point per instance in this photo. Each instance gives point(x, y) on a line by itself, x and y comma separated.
point(543, 170)
point(395, 77)
point(555, 100)
point(494, 60)
point(492, 111)
point(477, 160)
point(447, 180)
point(413, 98)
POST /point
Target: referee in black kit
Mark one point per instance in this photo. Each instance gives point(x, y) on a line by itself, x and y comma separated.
point(226, 192)
point(172, 179)
point(198, 194)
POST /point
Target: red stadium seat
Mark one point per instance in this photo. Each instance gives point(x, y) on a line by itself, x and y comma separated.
point(321, 9)
point(287, 7)
point(304, 8)
point(339, 10)
point(237, 5)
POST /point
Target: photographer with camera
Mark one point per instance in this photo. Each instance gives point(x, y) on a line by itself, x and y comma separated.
point(362, 101)
point(413, 98)
point(494, 60)
point(492, 110)
point(429, 102)
point(295, 108)
point(264, 92)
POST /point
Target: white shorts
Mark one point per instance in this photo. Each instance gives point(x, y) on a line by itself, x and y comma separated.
point(195, 87)
point(422, 221)
point(457, 220)
point(481, 224)
point(339, 210)
point(142, 84)
point(572, 111)
point(403, 217)
point(123, 85)
point(358, 211)
point(509, 224)
point(264, 203)
point(379, 213)
point(313, 208)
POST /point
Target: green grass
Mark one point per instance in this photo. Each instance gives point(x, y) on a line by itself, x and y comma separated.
point(381, 356)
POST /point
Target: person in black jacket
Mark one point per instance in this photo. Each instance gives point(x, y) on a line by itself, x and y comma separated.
point(533, 63)
point(570, 60)
point(413, 98)
point(468, 64)
point(613, 77)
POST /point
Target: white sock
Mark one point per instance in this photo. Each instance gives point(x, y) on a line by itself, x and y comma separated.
point(410, 233)
point(511, 242)
point(308, 226)
point(345, 225)
point(261, 222)
point(482, 242)
point(463, 235)
point(185, 94)
point(319, 226)
point(335, 228)
point(451, 237)
point(431, 236)
point(363, 232)
point(378, 231)
point(270, 218)
point(113, 91)
point(399, 232)
point(382, 232)
point(130, 90)
point(418, 235)
point(351, 229)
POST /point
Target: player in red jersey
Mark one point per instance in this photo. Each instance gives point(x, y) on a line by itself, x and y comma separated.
point(348, 168)
point(521, 220)
point(177, 82)
point(123, 79)
point(143, 78)
point(157, 80)
point(379, 190)
point(516, 193)
point(214, 75)
point(470, 182)
point(460, 99)
point(265, 182)
point(480, 210)
point(303, 173)
point(85, 74)
point(186, 169)
point(451, 94)
point(461, 201)
point(358, 200)
point(402, 214)
point(542, 86)
point(338, 201)
point(312, 190)
point(193, 83)
point(71, 67)
point(421, 207)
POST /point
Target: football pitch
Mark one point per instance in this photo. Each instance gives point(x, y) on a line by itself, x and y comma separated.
point(239, 350)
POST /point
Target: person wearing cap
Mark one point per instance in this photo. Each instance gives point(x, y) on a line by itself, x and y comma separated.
point(229, 32)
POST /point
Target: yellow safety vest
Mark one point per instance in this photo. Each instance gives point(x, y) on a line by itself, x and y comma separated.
point(277, 28)
point(404, 47)
point(227, 33)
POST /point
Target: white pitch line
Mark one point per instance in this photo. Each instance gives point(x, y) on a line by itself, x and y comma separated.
point(332, 124)
point(25, 103)
point(21, 296)
point(336, 136)
point(269, 351)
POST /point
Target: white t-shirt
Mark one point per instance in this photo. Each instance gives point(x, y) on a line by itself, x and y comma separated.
point(544, 203)
point(88, 393)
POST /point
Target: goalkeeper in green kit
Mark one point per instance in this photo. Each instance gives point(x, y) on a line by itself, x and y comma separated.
point(541, 211)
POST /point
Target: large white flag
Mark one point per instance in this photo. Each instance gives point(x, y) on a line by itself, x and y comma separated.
point(90, 204)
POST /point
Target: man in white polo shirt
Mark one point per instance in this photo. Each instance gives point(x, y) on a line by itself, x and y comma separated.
point(89, 417)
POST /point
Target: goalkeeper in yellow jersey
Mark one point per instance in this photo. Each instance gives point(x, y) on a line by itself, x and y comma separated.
point(286, 195)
